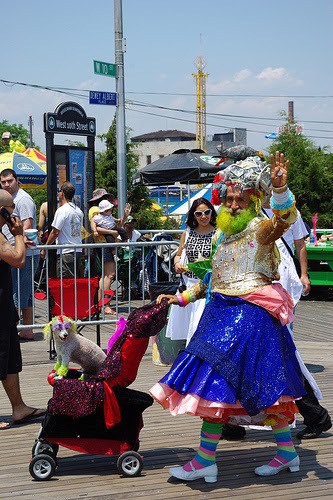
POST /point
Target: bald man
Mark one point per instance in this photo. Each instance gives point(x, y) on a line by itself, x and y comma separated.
point(10, 352)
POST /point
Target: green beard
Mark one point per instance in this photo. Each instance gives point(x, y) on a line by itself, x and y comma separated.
point(233, 224)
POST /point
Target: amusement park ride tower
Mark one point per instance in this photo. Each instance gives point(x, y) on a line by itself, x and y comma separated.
point(200, 77)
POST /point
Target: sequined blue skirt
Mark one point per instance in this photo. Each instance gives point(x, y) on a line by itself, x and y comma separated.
point(238, 352)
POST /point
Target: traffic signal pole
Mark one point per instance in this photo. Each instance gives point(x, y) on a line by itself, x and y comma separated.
point(120, 108)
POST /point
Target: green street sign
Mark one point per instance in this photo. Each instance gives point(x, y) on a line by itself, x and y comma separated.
point(105, 69)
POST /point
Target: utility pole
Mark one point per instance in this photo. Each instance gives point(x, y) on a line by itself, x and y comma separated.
point(30, 132)
point(291, 111)
point(120, 48)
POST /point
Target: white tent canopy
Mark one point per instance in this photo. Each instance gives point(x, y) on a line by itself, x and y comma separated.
point(183, 206)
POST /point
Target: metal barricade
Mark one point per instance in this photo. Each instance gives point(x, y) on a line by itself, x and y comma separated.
point(137, 264)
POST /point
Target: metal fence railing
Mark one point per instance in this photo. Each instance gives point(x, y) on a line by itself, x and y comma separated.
point(136, 265)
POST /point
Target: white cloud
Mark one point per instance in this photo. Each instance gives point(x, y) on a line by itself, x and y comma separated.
point(242, 75)
point(277, 75)
point(245, 81)
point(272, 74)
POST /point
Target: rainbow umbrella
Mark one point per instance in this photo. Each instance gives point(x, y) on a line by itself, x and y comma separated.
point(30, 172)
point(35, 154)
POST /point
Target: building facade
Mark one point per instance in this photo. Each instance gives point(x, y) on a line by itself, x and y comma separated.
point(155, 145)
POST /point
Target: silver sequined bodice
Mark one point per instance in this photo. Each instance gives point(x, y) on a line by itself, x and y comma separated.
point(241, 265)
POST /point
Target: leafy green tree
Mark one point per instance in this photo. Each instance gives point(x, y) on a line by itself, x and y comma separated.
point(310, 175)
point(18, 133)
point(76, 143)
point(106, 177)
point(39, 195)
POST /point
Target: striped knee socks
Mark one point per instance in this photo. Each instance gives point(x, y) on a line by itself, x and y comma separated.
point(285, 446)
point(206, 455)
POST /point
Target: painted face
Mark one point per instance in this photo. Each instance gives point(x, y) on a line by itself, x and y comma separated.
point(62, 329)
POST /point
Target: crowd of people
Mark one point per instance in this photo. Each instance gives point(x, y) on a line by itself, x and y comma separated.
point(235, 310)
point(19, 261)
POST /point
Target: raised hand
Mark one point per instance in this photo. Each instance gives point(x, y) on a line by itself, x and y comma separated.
point(127, 209)
point(279, 169)
point(17, 227)
point(172, 299)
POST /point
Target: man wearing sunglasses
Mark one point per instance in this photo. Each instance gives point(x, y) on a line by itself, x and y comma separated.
point(240, 365)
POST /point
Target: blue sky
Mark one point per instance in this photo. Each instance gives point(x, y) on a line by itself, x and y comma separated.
point(267, 49)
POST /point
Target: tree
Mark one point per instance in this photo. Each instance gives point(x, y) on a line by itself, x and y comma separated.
point(106, 177)
point(310, 175)
point(18, 133)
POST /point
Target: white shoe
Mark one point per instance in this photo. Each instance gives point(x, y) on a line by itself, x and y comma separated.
point(267, 470)
point(208, 473)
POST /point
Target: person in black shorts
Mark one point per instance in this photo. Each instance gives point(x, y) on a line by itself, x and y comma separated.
point(10, 351)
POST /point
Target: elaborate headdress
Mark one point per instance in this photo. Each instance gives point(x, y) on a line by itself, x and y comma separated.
point(253, 174)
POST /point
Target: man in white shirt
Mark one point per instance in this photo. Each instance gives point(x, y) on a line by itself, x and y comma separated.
point(25, 209)
point(66, 229)
point(295, 235)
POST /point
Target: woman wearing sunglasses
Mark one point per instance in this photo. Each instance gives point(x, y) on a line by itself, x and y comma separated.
point(195, 242)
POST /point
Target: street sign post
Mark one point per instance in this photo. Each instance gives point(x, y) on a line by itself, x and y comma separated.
point(105, 68)
point(100, 97)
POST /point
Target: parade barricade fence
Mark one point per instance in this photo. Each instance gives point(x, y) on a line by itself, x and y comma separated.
point(134, 263)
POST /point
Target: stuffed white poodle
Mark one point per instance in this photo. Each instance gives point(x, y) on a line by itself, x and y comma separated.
point(71, 346)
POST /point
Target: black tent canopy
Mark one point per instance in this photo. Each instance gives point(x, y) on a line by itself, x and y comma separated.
point(184, 166)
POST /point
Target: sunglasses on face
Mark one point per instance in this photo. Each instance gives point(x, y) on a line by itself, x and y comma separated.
point(200, 213)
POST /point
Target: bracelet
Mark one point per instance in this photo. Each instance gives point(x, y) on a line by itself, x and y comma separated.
point(284, 202)
point(281, 189)
point(183, 298)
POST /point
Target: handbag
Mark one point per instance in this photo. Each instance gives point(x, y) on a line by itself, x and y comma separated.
point(163, 287)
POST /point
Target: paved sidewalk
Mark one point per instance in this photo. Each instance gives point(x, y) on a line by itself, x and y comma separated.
point(168, 441)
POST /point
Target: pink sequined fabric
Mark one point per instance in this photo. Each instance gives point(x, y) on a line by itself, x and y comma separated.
point(76, 398)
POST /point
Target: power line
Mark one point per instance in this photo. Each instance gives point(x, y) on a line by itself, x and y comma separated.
point(78, 93)
point(216, 125)
point(222, 116)
point(190, 94)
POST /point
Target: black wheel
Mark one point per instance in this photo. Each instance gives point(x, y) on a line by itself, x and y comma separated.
point(130, 464)
point(44, 446)
point(42, 467)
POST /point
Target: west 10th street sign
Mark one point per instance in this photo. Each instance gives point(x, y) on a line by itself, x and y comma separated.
point(104, 68)
point(99, 97)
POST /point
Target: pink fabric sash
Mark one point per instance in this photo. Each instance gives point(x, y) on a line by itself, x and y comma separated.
point(275, 299)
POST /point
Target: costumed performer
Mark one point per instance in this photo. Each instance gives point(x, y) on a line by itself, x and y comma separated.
point(195, 243)
point(240, 365)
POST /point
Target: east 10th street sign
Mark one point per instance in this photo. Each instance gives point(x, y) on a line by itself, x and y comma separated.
point(104, 68)
point(99, 97)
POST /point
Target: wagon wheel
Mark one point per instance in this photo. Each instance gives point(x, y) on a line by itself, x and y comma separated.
point(40, 447)
point(42, 467)
point(130, 464)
